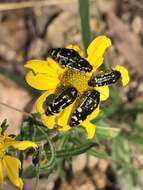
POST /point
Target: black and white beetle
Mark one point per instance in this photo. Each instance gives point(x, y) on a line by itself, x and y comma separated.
point(88, 104)
point(61, 101)
point(70, 58)
point(105, 78)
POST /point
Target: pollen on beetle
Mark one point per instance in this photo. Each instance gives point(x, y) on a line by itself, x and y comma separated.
point(77, 79)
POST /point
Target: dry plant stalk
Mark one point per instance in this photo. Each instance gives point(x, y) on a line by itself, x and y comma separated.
point(31, 4)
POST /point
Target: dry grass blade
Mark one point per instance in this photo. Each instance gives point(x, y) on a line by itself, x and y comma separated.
point(31, 4)
point(16, 109)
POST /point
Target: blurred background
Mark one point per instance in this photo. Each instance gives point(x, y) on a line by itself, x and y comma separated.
point(28, 29)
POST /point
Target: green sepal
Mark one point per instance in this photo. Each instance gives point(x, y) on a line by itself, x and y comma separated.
point(3, 126)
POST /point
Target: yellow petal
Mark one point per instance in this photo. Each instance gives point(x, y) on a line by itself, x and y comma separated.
point(41, 100)
point(41, 66)
point(65, 128)
point(76, 48)
point(1, 173)
point(12, 166)
point(63, 118)
point(94, 114)
point(97, 64)
point(124, 74)
point(41, 81)
point(96, 50)
point(49, 121)
point(55, 65)
point(6, 139)
point(90, 129)
point(104, 92)
point(22, 145)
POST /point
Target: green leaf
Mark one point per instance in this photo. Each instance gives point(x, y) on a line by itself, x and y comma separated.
point(139, 120)
point(121, 152)
point(84, 19)
point(32, 126)
point(108, 132)
point(101, 155)
point(29, 172)
point(79, 149)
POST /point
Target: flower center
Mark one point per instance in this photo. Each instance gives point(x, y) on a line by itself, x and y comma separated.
point(77, 79)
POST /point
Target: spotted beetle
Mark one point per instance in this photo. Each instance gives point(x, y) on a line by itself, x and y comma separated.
point(105, 79)
point(88, 104)
point(61, 101)
point(70, 58)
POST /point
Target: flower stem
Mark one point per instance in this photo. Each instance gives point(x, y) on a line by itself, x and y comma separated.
point(38, 170)
point(52, 150)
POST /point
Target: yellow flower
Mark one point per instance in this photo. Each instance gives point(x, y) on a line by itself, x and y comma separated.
point(10, 163)
point(48, 75)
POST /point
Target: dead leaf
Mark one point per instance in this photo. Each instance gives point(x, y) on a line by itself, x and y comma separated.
point(127, 42)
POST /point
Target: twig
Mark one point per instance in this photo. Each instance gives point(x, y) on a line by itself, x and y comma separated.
point(16, 109)
point(31, 4)
point(38, 170)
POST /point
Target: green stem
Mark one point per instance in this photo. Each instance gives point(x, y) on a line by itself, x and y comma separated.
point(61, 162)
point(63, 141)
point(52, 150)
point(38, 169)
point(84, 20)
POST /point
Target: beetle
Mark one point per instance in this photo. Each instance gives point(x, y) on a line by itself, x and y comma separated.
point(61, 101)
point(88, 104)
point(104, 79)
point(70, 58)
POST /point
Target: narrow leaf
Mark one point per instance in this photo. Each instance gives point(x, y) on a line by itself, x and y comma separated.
point(108, 132)
point(101, 155)
point(84, 20)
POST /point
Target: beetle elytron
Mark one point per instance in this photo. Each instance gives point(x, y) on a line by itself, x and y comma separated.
point(105, 79)
point(70, 58)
